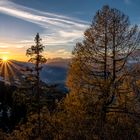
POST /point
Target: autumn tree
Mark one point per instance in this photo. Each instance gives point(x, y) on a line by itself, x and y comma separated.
point(99, 63)
point(37, 58)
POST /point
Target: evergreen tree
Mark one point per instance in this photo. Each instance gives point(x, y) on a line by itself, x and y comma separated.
point(37, 58)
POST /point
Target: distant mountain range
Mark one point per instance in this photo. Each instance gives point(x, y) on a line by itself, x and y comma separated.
point(53, 72)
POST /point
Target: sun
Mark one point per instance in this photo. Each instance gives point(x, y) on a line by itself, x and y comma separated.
point(4, 58)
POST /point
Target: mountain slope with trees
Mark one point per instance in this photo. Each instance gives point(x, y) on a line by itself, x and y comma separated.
point(103, 101)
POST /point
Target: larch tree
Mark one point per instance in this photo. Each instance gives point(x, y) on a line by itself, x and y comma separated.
point(37, 58)
point(99, 63)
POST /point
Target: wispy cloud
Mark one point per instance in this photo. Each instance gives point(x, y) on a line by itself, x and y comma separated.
point(63, 53)
point(58, 29)
point(4, 52)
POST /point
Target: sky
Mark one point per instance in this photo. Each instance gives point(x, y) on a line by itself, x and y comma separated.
point(60, 23)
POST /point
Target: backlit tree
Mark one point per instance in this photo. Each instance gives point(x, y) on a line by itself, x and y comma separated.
point(37, 58)
point(100, 62)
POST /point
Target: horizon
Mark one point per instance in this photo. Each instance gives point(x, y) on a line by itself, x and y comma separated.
point(69, 69)
point(60, 24)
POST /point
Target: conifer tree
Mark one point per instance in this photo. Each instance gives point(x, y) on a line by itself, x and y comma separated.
point(100, 62)
point(37, 58)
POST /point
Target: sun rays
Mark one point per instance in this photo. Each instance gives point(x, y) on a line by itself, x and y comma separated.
point(9, 70)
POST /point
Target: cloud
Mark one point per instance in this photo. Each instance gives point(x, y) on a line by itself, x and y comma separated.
point(3, 45)
point(58, 29)
point(63, 53)
point(4, 52)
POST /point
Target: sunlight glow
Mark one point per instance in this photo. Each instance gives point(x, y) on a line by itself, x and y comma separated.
point(4, 58)
point(9, 70)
